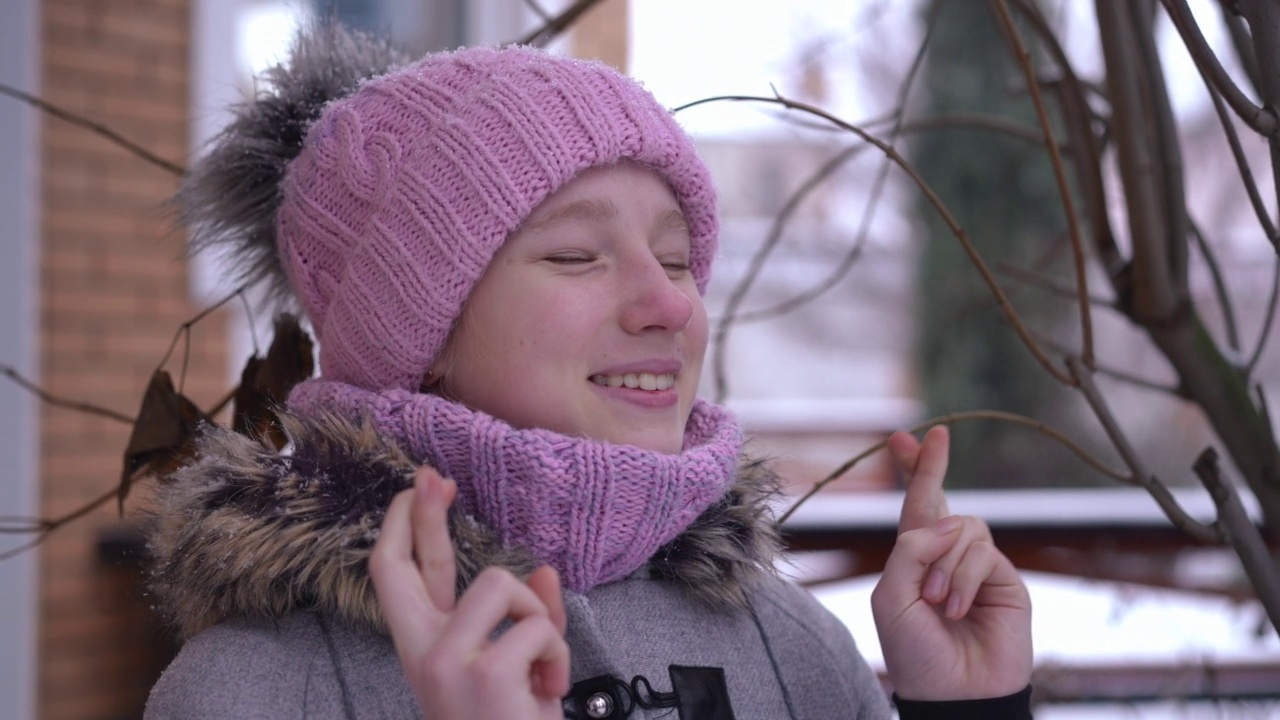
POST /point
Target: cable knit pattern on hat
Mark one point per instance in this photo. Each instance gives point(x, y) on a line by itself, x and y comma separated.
point(594, 511)
point(404, 190)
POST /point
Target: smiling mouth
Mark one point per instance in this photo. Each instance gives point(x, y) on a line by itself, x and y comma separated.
point(636, 381)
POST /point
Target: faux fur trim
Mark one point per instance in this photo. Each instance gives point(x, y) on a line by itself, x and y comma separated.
point(247, 531)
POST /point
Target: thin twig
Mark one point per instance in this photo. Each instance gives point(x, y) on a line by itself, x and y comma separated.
point(757, 264)
point(1261, 119)
point(1060, 177)
point(1263, 17)
point(63, 402)
point(556, 25)
point(185, 329)
point(1001, 299)
point(1078, 117)
point(226, 399)
point(1269, 321)
point(978, 121)
point(1219, 286)
point(740, 290)
point(1141, 476)
point(952, 419)
point(1242, 535)
point(1041, 280)
point(97, 128)
point(538, 10)
point(1114, 373)
point(1242, 41)
point(44, 527)
point(1242, 163)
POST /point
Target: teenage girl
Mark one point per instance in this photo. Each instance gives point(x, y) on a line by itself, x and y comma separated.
point(502, 496)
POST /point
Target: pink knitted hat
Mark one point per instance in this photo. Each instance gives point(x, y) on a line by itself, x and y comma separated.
point(405, 189)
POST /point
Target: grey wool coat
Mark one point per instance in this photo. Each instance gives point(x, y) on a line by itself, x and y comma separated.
point(260, 563)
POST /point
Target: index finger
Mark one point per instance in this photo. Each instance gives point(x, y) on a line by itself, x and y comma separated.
point(432, 545)
point(410, 614)
point(924, 503)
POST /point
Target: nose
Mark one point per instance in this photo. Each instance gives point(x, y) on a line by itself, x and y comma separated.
point(653, 302)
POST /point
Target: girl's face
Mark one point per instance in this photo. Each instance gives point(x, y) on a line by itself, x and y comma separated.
point(588, 321)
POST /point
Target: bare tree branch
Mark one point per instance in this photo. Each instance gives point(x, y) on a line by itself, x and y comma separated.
point(1242, 163)
point(978, 121)
point(738, 295)
point(1060, 177)
point(1136, 380)
point(538, 10)
point(952, 419)
point(557, 25)
point(21, 525)
point(1001, 299)
point(1149, 169)
point(1141, 476)
point(1242, 41)
point(1219, 287)
point(1072, 94)
point(1041, 280)
point(94, 127)
point(1261, 119)
point(63, 402)
point(1114, 373)
point(740, 292)
point(1267, 322)
point(1242, 535)
point(184, 332)
point(1264, 24)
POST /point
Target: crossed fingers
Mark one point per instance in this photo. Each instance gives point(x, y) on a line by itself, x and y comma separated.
point(446, 644)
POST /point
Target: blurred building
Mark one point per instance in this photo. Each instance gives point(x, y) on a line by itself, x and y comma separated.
point(103, 284)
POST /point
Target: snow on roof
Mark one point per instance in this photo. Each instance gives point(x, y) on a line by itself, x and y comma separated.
point(1042, 507)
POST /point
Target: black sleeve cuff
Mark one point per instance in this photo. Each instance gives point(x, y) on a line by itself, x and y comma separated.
point(1010, 707)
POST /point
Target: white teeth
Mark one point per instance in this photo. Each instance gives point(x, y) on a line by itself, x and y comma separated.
point(636, 381)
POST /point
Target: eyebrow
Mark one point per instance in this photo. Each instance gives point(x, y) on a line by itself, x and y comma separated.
point(674, 220)
point(583, 211)
point(600, 210)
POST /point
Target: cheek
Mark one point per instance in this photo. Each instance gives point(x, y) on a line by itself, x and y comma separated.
point(697, 333)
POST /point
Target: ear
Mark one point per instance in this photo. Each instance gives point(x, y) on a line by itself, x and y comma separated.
point(430, 380)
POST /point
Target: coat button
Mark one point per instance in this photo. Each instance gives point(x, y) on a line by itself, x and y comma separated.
point(600, 705)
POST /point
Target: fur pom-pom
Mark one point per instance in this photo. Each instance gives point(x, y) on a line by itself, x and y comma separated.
point(230, 196)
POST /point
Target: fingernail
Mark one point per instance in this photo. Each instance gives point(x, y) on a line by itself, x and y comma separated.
point(953, 606)
point(450, 491)
point(948, 525)
point(933, 586)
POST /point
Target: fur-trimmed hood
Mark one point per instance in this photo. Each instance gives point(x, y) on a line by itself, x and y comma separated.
point(247, 531)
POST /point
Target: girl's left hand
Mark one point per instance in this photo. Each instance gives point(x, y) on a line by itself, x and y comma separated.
point(954, 617)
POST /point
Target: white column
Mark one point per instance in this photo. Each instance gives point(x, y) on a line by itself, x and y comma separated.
point(19, 346)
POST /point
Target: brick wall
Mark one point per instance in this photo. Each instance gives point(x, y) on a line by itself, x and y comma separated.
point(114, 290)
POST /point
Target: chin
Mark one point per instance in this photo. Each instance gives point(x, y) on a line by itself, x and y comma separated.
point(662, 444)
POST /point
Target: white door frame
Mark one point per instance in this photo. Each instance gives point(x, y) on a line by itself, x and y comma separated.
point(19, 347)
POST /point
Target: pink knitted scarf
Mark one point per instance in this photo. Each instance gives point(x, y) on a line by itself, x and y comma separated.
point(594, 511)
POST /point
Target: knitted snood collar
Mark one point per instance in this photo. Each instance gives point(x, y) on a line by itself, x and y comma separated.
point(594, 511)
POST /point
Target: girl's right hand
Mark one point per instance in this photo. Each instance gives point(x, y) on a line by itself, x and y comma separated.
point(445, 644)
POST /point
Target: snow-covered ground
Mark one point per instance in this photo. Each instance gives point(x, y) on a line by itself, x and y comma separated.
point(1087, 623)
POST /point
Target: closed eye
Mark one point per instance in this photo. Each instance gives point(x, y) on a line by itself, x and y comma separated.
point(569, 258)
point(676, 266)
